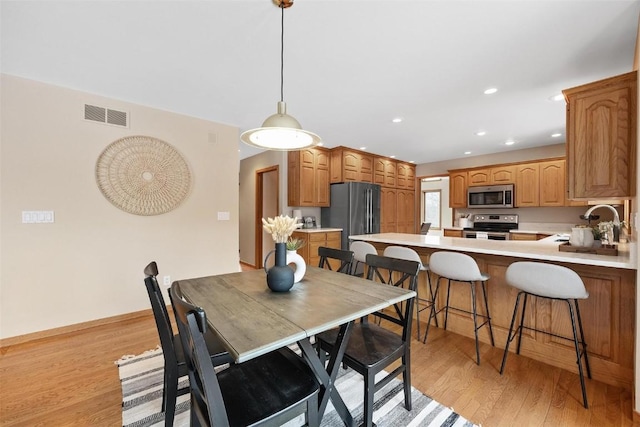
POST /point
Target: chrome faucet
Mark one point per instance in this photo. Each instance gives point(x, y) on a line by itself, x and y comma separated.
point(616, 218)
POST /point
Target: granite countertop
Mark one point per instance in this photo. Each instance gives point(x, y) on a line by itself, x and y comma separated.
point(317, 230)
point(545, 249)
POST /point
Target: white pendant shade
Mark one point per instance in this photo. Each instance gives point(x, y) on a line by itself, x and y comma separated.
point(280, 131)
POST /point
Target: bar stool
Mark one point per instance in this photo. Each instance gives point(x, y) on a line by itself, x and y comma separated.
point(409, 254)
point(552, 282)
point(360, 251)
point(458, 267)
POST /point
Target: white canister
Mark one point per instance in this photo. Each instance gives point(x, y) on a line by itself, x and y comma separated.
point(464, 222)
point(581, 237)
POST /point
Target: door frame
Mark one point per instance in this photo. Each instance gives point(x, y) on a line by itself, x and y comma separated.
point(259, 207)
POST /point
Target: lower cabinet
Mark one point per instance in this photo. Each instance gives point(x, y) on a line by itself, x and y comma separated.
point(314, 240)
point(528, 236)
point(449, 232)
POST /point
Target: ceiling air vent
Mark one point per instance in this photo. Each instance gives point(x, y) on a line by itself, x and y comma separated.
point(105, 115)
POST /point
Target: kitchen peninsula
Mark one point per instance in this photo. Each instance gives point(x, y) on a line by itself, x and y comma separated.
point(608, 314)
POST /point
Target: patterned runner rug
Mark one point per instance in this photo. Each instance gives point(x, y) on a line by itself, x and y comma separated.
point(141, 378)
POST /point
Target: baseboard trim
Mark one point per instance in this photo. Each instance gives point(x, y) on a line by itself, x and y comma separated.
point(247, 266)
point(22, 339)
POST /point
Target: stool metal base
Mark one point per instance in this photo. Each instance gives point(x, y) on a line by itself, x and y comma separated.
point(580, 344)
point(474, 312)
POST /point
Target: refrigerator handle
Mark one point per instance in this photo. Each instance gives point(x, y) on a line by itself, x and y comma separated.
point(369, 211)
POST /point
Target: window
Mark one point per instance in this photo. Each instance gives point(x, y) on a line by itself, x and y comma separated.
point(431, 202)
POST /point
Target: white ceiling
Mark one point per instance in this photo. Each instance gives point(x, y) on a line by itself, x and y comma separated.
point(350, 66)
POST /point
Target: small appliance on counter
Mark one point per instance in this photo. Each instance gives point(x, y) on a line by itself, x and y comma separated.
point(308, 222)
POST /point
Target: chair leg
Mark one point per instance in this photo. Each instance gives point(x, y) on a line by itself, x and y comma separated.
point(433, 300)
point(475, 319)
point(446, 307)
point(524, 308)
point(579, 358)
point(509, 336)
point(486, 306)
point(369, 391)
point(417, 305)
point(406, 377)
point(312, 418)
point(170, 396)
point(432, 312)
point(583, 342)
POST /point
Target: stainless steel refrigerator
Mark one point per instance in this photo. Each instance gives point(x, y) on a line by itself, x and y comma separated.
point(355, 207)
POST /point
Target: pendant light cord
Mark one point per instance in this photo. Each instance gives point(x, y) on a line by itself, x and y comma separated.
point(282, 55)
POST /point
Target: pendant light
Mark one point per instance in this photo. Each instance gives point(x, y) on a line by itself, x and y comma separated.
point(281, 131)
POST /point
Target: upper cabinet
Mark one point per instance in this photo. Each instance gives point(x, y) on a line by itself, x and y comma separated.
point(552, 183)
point(526, 189)
point(503, 174)
point(351, 165)
point(384, 171)
point(601, 138)
point(406, 176)
point(458, 189)
point(308, 177)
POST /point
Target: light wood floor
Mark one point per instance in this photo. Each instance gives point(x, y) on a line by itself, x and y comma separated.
point(72, 380)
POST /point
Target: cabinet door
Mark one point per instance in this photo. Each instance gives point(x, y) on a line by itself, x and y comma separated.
point(503, 175)
point(406, 211)
point(480, 177)
point(552, 183)
point(390, 173)
point(365, 168)
point(458, 190)
point(322, 195)
point(379, 164)
point(350, 166)
point(388, 210)
point(452, 233)
point(523, 236)
point(336, 166)
point(405, 177)
point(527, 183)
point(601, 138)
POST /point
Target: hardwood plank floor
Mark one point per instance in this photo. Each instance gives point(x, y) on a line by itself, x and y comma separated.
point(71, 380)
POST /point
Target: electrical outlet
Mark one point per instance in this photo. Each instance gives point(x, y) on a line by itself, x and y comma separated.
point(167, 280)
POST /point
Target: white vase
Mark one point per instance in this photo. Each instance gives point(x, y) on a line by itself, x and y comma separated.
point(301, 267)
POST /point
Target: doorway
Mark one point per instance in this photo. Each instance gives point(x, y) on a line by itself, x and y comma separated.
point(267, 202)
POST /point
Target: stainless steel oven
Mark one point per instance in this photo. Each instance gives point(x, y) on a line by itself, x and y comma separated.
point(489, 235)
point(491, 227)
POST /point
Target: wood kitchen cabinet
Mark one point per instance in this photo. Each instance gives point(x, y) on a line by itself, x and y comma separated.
point(449, 232)
point(388, 210)
point(351, 165)
point(308, 177)
point(314, 240)
point(527, 236)
point(527, 185)
point(457, 189)
point(552, 183)
point(405, 211)
point(601, 138)
point(406, 176)
point(503, 174)
point(384, 171)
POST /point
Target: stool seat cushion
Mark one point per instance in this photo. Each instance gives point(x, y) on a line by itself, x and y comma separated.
point(455, 266)
point(361, 250)
point(546, 280)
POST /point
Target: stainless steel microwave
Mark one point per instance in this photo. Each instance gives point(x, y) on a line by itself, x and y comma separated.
point(490, 196)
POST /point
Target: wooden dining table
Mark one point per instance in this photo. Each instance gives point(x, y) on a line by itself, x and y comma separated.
point(251, 320)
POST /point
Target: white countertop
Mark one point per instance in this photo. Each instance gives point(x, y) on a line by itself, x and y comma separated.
point(317, 230)
point(545, 249)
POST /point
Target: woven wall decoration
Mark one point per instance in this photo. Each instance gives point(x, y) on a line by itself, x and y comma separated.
point(143, 175)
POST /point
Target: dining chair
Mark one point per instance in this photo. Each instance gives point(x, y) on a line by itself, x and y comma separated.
point(268, 390)
point(422, 303)
point(172, 351)
point(344, 257)
point(371, 347)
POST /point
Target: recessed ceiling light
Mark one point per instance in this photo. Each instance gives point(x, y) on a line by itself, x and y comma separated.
point(467, 152)
point(393, 157)
point(555, 135)
point(363, 148)
point(490, 91)
point(397, 120)
point(411, 161)
point(510, 142)
point(557, 97)
point(481, 133)
point(320, 144)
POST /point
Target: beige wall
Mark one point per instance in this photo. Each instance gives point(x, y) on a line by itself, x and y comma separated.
point(88, 264)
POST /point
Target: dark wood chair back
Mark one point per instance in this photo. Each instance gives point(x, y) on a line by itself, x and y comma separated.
point(345, 258)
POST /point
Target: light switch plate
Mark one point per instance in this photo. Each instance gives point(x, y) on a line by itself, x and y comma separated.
point(223, 216)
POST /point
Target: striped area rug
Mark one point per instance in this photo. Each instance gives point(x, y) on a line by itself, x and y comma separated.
point(141, 378)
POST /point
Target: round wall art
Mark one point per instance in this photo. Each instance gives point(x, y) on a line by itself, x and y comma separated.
point(143, 175)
